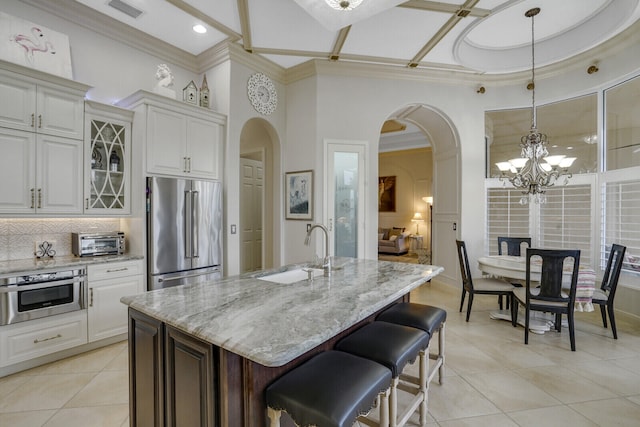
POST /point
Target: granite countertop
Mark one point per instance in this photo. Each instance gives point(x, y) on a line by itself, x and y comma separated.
point(273, 323)
point(30, 265)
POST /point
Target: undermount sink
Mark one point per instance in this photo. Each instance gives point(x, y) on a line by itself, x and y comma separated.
point(292, 276)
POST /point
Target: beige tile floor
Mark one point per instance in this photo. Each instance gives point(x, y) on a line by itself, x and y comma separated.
point(492, 378)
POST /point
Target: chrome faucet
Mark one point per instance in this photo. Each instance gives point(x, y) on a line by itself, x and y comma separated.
point(326, 261)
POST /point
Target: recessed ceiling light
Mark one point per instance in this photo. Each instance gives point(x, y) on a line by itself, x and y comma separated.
point(200, 29)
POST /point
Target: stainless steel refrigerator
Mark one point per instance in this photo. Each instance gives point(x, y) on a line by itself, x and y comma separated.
point(184, 229)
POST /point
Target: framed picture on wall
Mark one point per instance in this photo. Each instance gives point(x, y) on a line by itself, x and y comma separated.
point(387, 194)
point(298, 192)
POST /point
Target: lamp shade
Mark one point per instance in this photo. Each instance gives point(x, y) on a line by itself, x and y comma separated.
point(417, 217)
point(428, 200)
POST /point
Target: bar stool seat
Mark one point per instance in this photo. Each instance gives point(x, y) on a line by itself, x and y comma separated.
point(426, 317)
point(331, 389)
point(394, 346)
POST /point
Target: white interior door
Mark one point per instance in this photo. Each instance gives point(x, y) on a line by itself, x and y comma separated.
point(345, 179)
point(251, 214)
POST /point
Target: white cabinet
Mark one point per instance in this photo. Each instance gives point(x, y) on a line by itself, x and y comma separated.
point(39, 337)
point(180, 139)
point(37, 106)
point(109, 282)
point(41, 131)
point(107, 182)
point(40, 173)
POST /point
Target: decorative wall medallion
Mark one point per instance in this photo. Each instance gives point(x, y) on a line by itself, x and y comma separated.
point(262, 94)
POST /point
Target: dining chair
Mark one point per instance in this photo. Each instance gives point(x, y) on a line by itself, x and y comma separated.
point(514, 248)
point(514, 244)
point(607, 292)
point(549, 296)
point(479, 285)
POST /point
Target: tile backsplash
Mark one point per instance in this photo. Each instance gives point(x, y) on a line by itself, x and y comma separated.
point(19, 237)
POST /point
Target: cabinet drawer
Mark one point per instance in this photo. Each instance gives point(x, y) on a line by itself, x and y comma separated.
point(35, 338)
point(111, 270)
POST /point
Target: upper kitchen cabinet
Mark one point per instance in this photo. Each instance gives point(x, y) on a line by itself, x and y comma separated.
point(107, 186)
point(41, 131)
point(180, 139)
point(40, 173)
point(51, 107)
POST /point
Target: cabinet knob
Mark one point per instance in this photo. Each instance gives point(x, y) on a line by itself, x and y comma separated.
point(39, 198)
point(184, 164)
point(33, 120)
point(32, 198)
point(40, 121)
point(90, 297)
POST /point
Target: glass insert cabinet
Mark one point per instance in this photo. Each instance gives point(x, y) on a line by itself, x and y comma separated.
point(107, 159)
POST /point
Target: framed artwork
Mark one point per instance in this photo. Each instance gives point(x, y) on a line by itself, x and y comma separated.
point(298, 188)
point(387, 194)
point(31, 45)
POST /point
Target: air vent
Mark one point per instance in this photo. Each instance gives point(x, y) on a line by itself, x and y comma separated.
point(125, 8)
point(463, 13)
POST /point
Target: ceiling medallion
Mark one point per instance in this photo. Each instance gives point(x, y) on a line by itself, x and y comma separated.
point(262, 94)
point(343, 4)
point(530, 175)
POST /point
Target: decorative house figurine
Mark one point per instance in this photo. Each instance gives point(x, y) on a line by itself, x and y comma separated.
point(204, 93)
point(190, 93)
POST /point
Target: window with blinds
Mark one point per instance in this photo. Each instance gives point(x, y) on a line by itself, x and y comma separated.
point(505, 216)
point(620, 222)
point(566, 219)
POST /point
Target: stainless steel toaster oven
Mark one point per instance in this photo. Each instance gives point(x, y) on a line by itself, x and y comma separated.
point(96, 244)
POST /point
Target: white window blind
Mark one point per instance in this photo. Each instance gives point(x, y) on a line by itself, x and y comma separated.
point(621, 222)
point(505, 216)
point(566, 219)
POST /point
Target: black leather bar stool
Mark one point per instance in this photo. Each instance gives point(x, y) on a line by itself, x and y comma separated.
point(426, 317)
point(331, 389)
point(394, 346)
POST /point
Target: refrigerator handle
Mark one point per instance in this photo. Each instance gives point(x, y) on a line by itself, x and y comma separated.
point(195, 206)
point(188, 224)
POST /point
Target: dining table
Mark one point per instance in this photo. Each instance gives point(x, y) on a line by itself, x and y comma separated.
point(514, 269)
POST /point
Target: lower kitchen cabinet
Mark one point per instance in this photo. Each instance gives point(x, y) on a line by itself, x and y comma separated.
point(109, 282)
point(173, 376)
point(27, 340)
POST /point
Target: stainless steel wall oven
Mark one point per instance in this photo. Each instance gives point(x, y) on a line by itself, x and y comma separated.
point(42, 294)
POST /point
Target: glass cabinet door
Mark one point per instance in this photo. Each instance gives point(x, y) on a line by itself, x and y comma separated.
point(108, 157)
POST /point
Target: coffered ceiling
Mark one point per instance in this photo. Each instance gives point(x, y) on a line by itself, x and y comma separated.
point(474, 36)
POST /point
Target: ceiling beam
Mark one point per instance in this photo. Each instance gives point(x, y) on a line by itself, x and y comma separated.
point(197, 13)
point(337, 47)
point(461, 12)
point(434, 6)
point(245, 25)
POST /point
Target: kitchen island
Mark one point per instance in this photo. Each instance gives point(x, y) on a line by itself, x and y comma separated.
point(203, 354)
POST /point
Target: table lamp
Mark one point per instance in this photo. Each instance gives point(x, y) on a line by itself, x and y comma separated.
point(417, 218)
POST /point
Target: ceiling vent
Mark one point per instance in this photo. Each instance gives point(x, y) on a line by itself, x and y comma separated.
point(125, 8)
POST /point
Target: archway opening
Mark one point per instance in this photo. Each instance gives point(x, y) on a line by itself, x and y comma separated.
point(259, 196)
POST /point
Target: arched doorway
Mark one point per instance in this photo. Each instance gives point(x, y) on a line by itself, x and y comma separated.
point(445, 187)
point(259, 196)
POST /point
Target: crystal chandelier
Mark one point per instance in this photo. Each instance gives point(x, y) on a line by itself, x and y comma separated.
point(530, 174)
point(343, 4)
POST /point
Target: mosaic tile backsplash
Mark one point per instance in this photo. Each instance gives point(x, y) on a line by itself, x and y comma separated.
point(19, 237)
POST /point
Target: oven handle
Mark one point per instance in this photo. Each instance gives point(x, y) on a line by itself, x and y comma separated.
point(43, 285)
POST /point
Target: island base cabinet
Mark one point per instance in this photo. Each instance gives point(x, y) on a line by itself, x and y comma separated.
point(146, 369)
point(191, 384)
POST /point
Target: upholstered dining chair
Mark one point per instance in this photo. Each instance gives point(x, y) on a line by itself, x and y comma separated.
point(514, 248)
point(480, 285)
point(514, 244)
point(607, 292)
point(549, 296)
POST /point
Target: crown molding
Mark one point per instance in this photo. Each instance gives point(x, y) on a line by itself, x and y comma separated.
point(94, 21)
point(233, 51)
